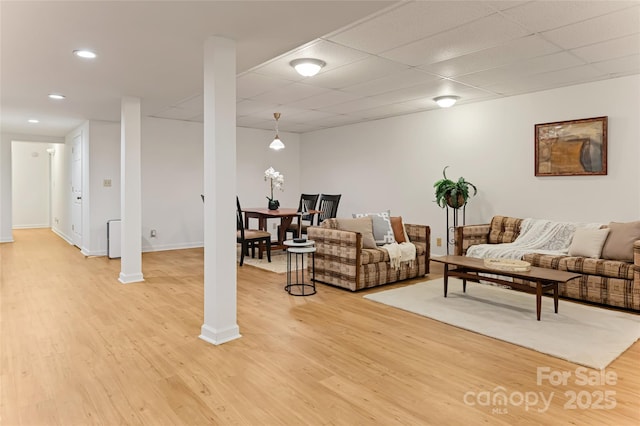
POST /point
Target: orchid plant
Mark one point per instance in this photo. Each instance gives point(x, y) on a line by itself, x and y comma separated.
point(276, 180)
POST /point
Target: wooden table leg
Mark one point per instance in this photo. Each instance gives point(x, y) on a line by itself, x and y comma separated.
point(285, 222)
point(555, 297)
point(538, 298)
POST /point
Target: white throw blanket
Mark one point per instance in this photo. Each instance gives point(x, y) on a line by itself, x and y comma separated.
point(398, 253)
point(536, 236)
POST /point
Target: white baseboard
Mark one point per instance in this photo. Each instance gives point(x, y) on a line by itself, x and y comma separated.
point(165, 247)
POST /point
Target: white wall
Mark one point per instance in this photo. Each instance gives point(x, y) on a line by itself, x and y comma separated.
point(253, 157)
point(172, 174)
point(30, 184)
point(104, 164)
point(6, 204)
point(393, 163)
point(60, 192)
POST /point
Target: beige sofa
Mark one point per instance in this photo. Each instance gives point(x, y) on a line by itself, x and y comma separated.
point(342, 261)
point(604, 281)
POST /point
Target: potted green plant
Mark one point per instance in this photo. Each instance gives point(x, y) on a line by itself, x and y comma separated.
point(454, 194)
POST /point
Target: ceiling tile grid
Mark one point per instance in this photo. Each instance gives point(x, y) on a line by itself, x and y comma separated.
point(391, 59)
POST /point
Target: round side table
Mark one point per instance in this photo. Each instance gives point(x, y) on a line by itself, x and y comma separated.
point(298, 250)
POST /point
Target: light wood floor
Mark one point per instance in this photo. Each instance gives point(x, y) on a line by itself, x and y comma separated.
point(80, 348)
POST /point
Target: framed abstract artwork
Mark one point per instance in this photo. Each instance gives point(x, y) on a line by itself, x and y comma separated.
point(571, 148)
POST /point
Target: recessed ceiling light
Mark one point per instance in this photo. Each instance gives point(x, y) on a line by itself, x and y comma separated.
point(33, 121)
point(56, 96)
point(307, 67)
point(82, 53)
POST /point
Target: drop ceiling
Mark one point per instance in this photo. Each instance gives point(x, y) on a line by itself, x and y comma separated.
point(382, 58)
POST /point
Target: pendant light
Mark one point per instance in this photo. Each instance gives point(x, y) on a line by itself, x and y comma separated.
point(277, 144)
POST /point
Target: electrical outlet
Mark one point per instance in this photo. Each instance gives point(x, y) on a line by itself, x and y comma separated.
point(153, 233)
point(439, 242)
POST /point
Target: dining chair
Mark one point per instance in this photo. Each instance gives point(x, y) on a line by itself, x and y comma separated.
point(307, 203)
point(248, 238)
point(328, 207)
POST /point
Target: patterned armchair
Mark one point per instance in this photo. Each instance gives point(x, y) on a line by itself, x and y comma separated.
point(341, 261)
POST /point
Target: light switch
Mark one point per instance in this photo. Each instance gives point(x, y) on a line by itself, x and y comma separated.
point(106, 183)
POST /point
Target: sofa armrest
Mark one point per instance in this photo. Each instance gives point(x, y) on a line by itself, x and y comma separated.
point(636, 262)
point(336, 243)
point(420, 234)
point(468, 235)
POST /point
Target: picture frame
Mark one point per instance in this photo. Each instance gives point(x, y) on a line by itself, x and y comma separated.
point(571, 148)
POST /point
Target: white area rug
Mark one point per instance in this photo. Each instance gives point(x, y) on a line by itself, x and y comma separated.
point(278, 262)
point(585, 335)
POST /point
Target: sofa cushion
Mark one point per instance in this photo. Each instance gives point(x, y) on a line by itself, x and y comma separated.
point(362, 225)
point(588, 242)
point(374, 255)
point(619, 244)
point(382, 230)
point(504, 229)
point(398, 229)
point(582, 265)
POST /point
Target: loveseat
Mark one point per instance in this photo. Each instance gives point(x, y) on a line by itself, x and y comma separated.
point(342, 261)
point(606, 281)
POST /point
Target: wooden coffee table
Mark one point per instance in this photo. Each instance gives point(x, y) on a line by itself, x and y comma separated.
point(469, 268)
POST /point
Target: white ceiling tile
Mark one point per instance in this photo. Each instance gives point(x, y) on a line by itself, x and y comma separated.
point(482, 34)
point(176, 114)
point(308, 116)
point(596, 30)
point(357, 72)
point(410, 22)
point(620, 66)
point(249, 107)
point(618, 48)
point(326, 99)
point(338, 120)
point(513, 51)
point(537, 65)
point(505, 4)
point(536, 82)
point(256, 123)
point(290, 93)
point(541, 16)
point(396, 81)
point(252, 84)
point(384, 111)
point(407, 94)
point(357, 105)
point(194, 103)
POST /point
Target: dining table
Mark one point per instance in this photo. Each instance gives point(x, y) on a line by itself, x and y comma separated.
point(285, 215)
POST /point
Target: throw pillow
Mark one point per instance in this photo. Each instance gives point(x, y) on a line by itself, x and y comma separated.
point(382, 231)
point(619, 245)
point(398, 229)
point(588, 242)
point(362, 225)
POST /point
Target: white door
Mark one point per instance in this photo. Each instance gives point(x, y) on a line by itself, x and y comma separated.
point(76, 190)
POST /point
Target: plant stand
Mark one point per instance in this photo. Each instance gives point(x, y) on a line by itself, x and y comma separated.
point(453, 220)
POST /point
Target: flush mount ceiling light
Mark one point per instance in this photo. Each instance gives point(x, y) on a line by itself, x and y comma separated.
point(56, 96)
point(307, 67)
point(33, 121)
point(83, 53)
point(277, 144)
point(446, 101)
